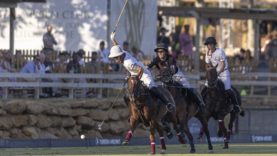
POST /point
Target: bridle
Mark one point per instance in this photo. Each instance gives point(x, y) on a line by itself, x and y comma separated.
point(212, 84)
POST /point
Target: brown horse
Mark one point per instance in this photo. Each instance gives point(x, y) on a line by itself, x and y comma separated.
point(186, 109)
point(218, 106)
point(146, 109)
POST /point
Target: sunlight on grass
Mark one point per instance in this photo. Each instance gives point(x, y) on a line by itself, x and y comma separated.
point(174, 150)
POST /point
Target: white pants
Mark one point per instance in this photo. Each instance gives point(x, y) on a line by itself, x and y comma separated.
point(180, 78)
point(148, 80)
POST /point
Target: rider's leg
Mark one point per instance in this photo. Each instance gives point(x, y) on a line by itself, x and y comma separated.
point(231, 94)
point(156, 92)
point(197, 98)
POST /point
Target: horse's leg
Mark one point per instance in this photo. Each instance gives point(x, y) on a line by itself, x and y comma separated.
point(224, 131)
point(178, 130)
point(205, 117)
point(166, 126)
point(190, 137)
point(133, 125)
point(152, 138)
point(205, 129)
point(230, 125)
point(162, 141)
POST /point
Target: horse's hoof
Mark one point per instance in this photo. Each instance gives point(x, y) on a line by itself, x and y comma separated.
point(125, 142)
point(225, 147)
point(182, 141)
point(163, 151)
point(169, 135)
point(211, 151)
point(192, 151)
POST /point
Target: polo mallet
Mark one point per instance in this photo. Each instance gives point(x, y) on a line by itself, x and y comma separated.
point(118, 19)
point(99, 126)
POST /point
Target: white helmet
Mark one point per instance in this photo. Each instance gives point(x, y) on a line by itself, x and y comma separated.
point(115, 51)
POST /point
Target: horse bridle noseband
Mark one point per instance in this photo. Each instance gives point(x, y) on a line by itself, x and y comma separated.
point(213, 83)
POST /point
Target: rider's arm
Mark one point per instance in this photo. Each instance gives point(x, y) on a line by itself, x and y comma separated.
point(221, 66)
point(135, 68)
point(140, 72)
point(152, 63)
point(114, 42)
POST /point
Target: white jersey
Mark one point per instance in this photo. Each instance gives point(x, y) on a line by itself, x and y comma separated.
point(215, 58)
point(131, 64)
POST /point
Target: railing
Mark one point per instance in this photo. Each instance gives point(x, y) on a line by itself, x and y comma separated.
point(71, 82)
point(254, 84)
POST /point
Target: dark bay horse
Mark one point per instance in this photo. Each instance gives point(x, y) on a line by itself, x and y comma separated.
point(146, 109)
point(185, 108)
point(218, 105)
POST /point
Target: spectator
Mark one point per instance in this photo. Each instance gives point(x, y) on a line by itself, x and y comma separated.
point(6, 63)
point(137, 54)
point(104, 57)
point(94, 64)
point(162, 38)
point(61, 63)
point(48, 64)
point(186, 44)
point(126, 46)
point(81, 54)
point(175, 44)
point(19, 60)
point(271, 47)
point(74, 66)
point(48, 40)
point(35, 66)
point(103, 53)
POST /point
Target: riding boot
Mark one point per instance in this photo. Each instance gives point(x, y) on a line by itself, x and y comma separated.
point(231, 94)
point(196, 97)
point(156, 92)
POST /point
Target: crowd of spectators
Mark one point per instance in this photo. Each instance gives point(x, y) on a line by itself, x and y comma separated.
point(48, 60)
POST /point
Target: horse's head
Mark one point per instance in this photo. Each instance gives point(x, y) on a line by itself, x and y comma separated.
point(135, 88)
point(211, 75)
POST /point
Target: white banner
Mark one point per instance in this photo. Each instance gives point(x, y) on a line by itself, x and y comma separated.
point(77, 24)
point(81, 24)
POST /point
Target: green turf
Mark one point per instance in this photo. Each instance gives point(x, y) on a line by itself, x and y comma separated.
point(176, 150)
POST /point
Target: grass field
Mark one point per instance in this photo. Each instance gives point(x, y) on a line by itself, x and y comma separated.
point(176, 150)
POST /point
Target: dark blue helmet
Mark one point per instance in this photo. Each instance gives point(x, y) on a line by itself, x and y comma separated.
point(161, 46)
point(210, 40)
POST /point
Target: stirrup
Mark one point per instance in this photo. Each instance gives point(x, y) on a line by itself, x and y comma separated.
point(170, 107)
